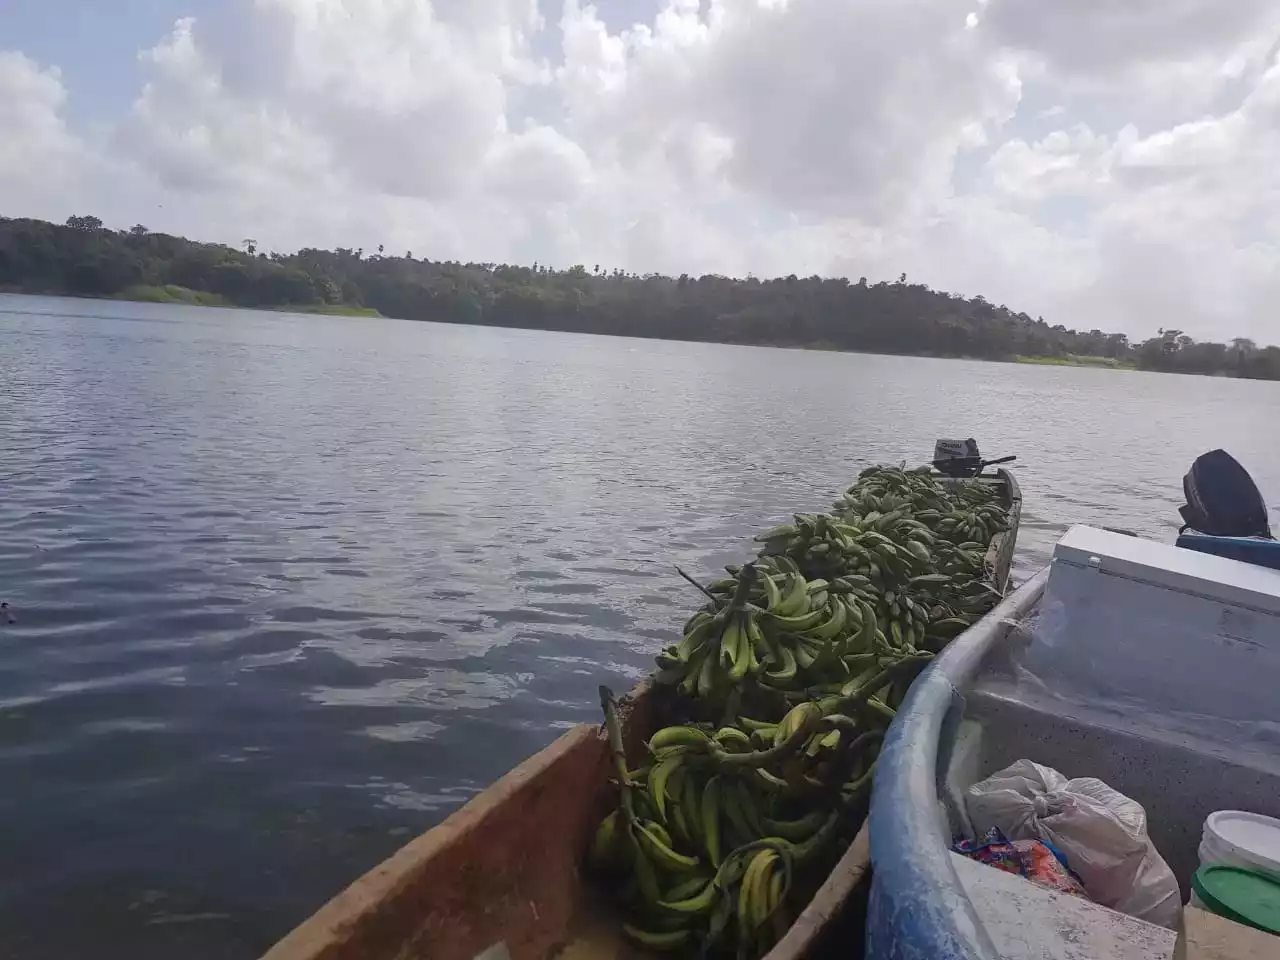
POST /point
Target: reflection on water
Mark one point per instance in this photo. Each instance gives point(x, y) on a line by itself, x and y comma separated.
point(290, 589)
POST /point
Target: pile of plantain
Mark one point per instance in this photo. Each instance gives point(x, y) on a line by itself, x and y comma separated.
point(785, 681)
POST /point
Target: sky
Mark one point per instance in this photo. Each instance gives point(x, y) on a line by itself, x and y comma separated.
point(1101, 163)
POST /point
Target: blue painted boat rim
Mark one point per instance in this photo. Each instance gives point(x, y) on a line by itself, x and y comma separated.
point(918, 906)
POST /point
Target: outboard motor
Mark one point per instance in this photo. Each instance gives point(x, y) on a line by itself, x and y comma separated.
point(960, 458)
point(1222, 499)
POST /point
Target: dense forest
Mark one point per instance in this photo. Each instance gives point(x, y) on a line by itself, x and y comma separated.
point(84, 258)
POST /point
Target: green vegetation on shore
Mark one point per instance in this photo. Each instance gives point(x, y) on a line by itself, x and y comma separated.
point(328, 309)
point(169, 293)
point(85, 258)
point(172, 293)
point(1109, 363)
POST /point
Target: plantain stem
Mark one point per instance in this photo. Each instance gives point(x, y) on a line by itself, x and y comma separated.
point(762, 758)
point(732, 705)
point(863, 739)
point(711, 595)
point(853, 793)
point(746, 580)
point(613, 729)
point(879, 706)
point(882, 679)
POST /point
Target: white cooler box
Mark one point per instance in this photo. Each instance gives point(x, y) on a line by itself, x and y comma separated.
point(1160, 629)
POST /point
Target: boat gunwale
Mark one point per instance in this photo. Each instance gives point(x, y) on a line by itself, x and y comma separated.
point(918, 906)
point(354, 911)
point(999, 556)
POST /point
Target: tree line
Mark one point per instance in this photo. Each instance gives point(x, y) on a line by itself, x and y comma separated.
point(84, 258)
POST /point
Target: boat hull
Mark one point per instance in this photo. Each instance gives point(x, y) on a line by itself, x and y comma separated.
point(479, 879)
point(501, 879)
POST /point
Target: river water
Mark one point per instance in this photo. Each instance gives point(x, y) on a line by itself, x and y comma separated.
point(290, 589)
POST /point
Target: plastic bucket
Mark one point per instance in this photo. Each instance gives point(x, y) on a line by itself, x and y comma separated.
point(1245, 896)
point(1241, 839)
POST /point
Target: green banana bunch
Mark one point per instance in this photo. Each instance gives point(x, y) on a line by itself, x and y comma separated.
point(782, 685)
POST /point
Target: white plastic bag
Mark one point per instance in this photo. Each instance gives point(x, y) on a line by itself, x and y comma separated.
point(1101, 833)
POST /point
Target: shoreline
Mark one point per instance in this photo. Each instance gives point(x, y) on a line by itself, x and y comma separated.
point(1072, 360)
point(170, 295)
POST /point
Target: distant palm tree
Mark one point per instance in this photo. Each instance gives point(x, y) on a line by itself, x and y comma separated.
point(1244, 345)
point(250, 245)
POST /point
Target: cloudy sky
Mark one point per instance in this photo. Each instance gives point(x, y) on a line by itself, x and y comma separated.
point(1109, 163)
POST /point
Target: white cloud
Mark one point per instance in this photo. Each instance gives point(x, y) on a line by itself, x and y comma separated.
point(37, 151)
point(538, 167)
point(1182, 222)
point(1101, 164)
point(194, 133)
point(1066, 163)
point(1165, 58)
point(1096, 39)
point(854, 108)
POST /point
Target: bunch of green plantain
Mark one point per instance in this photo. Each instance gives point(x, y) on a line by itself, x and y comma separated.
point(723, 834)
point(784, 682)
point(779, 632)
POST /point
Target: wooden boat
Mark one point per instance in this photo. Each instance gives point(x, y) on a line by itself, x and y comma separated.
point(500, 879)
point(1147, 665)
